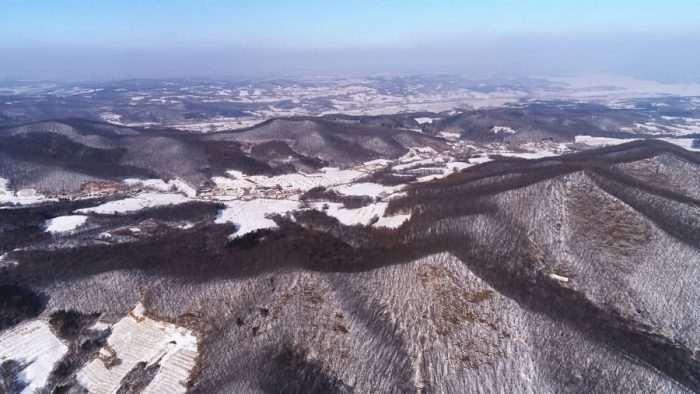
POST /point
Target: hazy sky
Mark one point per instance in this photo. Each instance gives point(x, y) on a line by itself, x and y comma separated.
point(110, 39)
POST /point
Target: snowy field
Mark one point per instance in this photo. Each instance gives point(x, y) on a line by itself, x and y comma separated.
point(21, 197)
point(685, 143)
point(63, 224)
point(361, 216)
point(251, 215)
point(423, 120)
point(367, 189)
point(36, 349)
point(174, 185)
point(136, 203)
point(530, 155)
point(502, 130)
point(299, 182)
point(138, 338)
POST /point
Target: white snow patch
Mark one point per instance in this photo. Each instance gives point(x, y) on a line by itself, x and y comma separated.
point(139, 310)
point(479, 160)
point(6, 262)
point(62, 224)
point(450, 136)
point(36, 348)
point(392, 221)
point(185, 226)
point(239, 184)
point(327, 177)
point(252, 215)
point(559, 278)
point(423, 120)
point(142, 201)
point(685, 143)
point(379, 162)
point(458, 165)
point(502, 130)
point(162, 186)
point(429, 178)
point(153, 184)
point(100, 326)
point(21, 197)
point(111, 117)
point(363, 215)
point(376, 164)
point(396, 195)
point(5, 192)
point(367, 189)
point(601, 141)
point(351, 217)
point(530, 155)
point(138, 338)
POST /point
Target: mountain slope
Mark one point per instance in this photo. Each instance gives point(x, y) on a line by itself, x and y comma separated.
point(574, 273)
point(62, 155)
point(336, 142)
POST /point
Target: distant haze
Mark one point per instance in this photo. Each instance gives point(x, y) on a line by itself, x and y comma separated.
point(108, 39)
